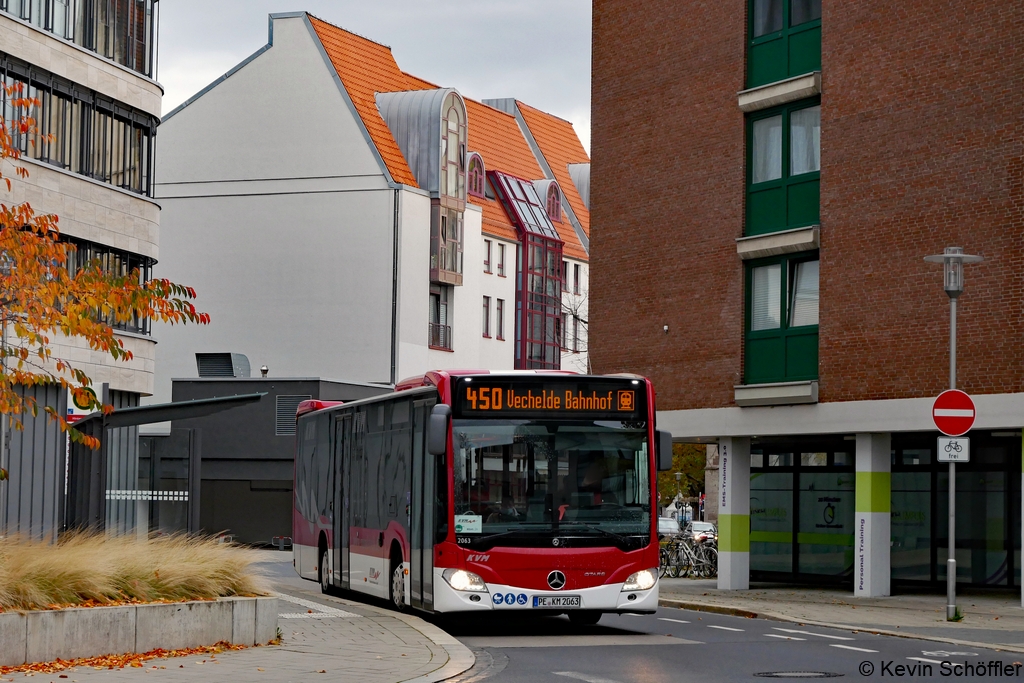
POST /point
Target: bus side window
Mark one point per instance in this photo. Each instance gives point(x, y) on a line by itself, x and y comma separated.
point(322, 465)
point(303, 470)
point(358, 469)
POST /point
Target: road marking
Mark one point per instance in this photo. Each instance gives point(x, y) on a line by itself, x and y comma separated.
point(322, 611)
point(776, 635)
point(809, 633)
point(583, 677)
point(677, 621)
point(850, 647)
point(573, 641)
point(922, 659)
point(725, 628)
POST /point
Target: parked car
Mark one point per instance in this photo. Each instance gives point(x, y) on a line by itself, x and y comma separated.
point(667, 526)
point(701, 531)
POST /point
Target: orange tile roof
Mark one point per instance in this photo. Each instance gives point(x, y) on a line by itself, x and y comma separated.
point(560, 146)
point(367, 68)
point(498, 139)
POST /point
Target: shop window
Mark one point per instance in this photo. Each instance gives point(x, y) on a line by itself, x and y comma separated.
point(785, 40)
point(782, 320)
point(783, 168)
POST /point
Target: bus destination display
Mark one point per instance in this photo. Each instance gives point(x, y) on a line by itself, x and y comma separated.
point(484, 397)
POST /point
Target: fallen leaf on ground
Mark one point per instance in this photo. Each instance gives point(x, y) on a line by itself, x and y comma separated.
point(131, 659)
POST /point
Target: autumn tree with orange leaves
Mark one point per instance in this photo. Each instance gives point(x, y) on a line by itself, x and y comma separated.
point(42, 301)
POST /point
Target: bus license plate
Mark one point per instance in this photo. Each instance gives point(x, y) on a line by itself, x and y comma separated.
point(561, 601)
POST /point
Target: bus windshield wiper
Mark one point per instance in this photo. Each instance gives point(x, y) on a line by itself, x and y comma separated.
point(510, 532)
point(593, 526)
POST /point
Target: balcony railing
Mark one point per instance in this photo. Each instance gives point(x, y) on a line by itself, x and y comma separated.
point(440, 336)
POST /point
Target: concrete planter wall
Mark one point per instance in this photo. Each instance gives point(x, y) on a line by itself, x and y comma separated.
point(44, 636)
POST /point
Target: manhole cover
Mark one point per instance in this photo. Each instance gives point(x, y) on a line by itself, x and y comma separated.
point(797, 674)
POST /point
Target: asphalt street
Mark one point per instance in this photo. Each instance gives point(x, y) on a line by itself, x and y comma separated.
point(675, 646)
point(678, 646)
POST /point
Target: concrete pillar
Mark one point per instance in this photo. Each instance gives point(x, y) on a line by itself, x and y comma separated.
point(734, 513)
point(711, 484)
point(872, 536)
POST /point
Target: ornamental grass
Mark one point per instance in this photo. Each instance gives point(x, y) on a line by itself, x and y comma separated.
point(91, 570)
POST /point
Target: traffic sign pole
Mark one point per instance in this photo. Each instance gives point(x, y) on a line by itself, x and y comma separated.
point(951, 561)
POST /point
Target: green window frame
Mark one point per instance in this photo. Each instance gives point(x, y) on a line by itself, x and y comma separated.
point(781, 301)
point(783, 184)
point(784, 39)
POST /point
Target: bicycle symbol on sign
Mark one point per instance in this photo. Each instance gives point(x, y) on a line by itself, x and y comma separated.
point(953, 446)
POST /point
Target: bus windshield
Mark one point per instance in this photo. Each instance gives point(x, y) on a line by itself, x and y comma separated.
point(524, 482)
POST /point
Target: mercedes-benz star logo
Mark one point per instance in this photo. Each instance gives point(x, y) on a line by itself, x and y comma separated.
point(556, 580)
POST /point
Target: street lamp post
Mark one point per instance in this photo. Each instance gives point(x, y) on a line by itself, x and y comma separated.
point(952, 260)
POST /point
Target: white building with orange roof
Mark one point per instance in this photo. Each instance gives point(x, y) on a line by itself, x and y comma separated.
point(342, 218)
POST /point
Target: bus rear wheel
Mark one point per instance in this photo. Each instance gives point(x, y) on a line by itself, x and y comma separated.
point(584, 617)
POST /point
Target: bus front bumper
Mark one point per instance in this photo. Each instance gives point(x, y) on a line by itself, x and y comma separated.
point(499, 597)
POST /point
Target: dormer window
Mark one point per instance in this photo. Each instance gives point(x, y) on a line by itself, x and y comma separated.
point(476, 180)
point(554, 203)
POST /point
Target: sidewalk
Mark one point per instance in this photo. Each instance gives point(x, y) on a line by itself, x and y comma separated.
point(323, 638)
point(990, 619)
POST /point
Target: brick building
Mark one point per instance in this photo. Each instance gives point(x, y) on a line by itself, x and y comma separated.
point(776, 170)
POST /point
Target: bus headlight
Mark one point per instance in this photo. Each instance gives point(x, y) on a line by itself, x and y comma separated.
point(461, 580)
point(640, 581)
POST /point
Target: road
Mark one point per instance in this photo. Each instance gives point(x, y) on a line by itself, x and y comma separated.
point(676, 646)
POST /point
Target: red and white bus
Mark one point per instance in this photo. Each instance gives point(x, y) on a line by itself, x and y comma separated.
point(471, 491)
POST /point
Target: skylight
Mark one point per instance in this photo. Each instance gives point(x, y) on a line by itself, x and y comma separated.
point(521, 200)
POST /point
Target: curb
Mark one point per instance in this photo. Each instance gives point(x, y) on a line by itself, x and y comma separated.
point(460, 657)
point(774, 616)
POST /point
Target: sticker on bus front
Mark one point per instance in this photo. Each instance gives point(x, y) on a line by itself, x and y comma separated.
point(468, 524)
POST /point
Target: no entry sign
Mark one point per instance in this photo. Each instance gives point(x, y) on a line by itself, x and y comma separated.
point(953, 412)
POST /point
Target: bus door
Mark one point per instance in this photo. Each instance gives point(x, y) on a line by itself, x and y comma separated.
point(424, 484)
point(342, 515)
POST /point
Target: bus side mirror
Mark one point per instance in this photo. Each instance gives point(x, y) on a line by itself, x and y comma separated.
point(437, 429)
point(664, 450)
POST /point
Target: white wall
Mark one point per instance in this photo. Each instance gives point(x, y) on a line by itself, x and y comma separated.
point(578, 304)
point(277, 212)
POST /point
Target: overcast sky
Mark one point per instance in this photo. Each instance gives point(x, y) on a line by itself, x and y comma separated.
point(537, 51)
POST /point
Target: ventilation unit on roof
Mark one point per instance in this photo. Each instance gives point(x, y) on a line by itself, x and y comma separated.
point(287, 406)
point(222, 365)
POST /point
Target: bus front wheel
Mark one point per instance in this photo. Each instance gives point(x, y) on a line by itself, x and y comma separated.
point(397, 583)
point(324, 573)
point(584, 617)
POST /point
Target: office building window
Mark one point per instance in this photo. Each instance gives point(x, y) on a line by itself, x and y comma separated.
point(487, 256)
point(499, 318)
point(785, 40)
point(784, 168)
point(782, 319)
point(92, 135)
point(487, 316)
point(501, 260)
point(120, 30)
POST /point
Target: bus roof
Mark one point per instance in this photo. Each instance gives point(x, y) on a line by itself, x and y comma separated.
point(431, 378)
